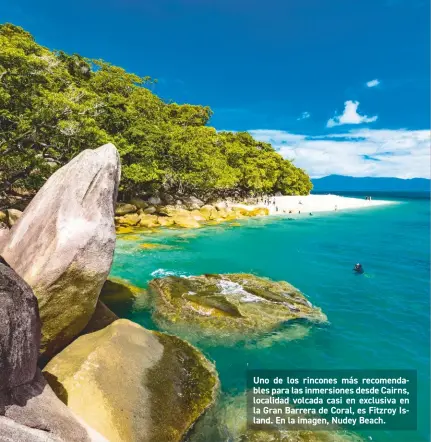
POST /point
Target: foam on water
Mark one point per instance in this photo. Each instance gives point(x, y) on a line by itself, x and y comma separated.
point(233, 288)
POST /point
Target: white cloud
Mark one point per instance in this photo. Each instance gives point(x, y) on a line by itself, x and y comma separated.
point(350, 116)
point(362, 152)
point(304, 116)
point(373, 83)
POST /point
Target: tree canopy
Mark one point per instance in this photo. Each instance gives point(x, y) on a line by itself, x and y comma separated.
point(54, 105)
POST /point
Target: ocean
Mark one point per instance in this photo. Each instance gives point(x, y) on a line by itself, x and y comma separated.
point(378, 320)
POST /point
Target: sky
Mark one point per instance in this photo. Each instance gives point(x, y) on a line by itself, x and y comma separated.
point(337, 86)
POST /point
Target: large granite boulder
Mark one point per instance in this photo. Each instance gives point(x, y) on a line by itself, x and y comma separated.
point(19, 330)
point(230, 304)
point(165, 383)
point(63, 244)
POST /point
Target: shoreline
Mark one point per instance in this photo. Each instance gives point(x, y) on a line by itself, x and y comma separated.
point(315, 204)
point(130, 217)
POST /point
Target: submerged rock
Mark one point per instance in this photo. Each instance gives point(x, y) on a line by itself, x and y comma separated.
point(166, 384)
point(227, 421)
point(63, 244)
point(19, 330)
point(232, 302)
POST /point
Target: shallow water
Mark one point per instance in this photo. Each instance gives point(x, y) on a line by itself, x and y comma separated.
point(377, 320)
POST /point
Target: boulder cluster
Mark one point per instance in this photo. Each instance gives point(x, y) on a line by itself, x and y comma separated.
point(189, 212)
point(70, 369)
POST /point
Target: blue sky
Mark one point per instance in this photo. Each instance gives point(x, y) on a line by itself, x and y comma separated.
point(338, 86)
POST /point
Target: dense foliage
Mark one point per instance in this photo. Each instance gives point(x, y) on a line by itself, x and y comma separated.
point(54, 105)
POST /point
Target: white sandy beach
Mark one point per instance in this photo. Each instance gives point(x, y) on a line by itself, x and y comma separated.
point(317, 203)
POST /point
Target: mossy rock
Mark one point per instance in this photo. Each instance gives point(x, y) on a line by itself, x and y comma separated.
point(130, 219)
point(208, 212)
point(148, 220)
point(133, 384)
point(165, 221)
point(239, 303)
point(122, 230)
point(124, 209)
point(185, 220)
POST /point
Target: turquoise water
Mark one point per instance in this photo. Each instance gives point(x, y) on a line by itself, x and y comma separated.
point(377, 320)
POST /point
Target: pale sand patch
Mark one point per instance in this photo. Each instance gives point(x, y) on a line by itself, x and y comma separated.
point(315, 203)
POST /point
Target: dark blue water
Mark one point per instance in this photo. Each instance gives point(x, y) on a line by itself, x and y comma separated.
point(377, 320)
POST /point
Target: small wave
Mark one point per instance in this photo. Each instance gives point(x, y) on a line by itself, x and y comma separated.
point(162, 273)
point(233, 288)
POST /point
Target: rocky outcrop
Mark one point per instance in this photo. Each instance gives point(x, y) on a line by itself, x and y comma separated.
point(19, 330)
point(229, 304)
point(27, 403)
point(63, 244)
point(166, 384)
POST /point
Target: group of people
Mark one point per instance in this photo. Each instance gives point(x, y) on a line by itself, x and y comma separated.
point(368, 198)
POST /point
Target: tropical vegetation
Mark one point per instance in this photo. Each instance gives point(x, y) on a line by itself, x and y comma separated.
point(54, 105)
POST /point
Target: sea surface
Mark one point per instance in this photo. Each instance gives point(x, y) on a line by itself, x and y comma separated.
point(379, 320)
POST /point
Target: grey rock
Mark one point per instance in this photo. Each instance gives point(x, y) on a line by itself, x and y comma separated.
point(168, 199)
point(36, 406)
point(19, 330)
point(139, 203)
point(63, 244)
point(193, 203)
point(10, 431)
point(154, 201)
point(150, 210)
point(124, 209)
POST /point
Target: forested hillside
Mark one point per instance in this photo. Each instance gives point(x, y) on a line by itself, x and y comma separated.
point(54, 105)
